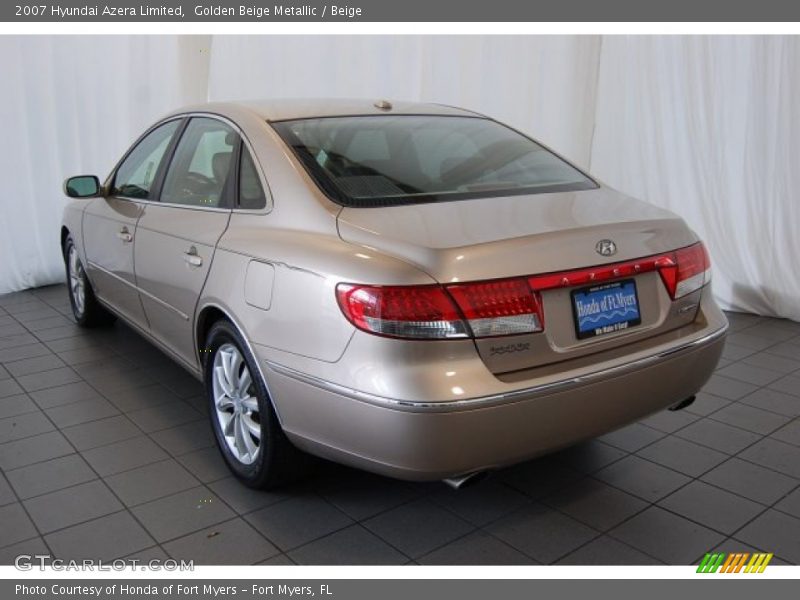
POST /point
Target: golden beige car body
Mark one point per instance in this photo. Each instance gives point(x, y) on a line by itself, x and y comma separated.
point(419, 409)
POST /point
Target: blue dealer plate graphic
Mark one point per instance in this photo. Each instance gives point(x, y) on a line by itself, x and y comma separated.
point(605, 308)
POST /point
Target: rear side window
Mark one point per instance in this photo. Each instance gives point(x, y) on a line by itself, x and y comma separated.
point(251, 194)
point(386, 160)
point(198, 173)
point(135, 175)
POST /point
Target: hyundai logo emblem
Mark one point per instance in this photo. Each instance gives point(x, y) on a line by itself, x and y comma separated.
point(606, 248)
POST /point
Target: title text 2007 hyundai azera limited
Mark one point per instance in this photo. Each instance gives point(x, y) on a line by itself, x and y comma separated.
point(413, 289)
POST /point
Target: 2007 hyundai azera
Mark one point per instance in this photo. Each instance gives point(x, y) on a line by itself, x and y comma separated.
point(413, 289)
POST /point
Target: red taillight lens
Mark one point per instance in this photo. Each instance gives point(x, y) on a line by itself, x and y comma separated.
point(492, 308)
point(503, 307)
point(421, 312)
point(593, 275)
point(682, 272)
point(694, 269)
point(686, 270)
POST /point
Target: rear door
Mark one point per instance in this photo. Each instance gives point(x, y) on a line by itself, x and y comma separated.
point(109, 227)
point(177, 236)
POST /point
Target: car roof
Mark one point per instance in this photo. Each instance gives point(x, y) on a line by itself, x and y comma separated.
point(304, 108)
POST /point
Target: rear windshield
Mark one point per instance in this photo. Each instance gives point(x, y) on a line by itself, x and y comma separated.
point(387, 160)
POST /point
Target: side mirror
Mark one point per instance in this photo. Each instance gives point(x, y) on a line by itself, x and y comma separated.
point(82, 186)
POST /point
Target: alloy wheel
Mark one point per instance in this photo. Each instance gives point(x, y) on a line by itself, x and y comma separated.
point(77, 284)
point(236, 405)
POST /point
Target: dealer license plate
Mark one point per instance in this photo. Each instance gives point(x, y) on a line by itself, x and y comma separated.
point(606, 308)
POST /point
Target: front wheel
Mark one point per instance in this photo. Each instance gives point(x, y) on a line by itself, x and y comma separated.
point(85, 308)
point(244, 422)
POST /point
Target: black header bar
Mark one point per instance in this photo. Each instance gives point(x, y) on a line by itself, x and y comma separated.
point(463, 11)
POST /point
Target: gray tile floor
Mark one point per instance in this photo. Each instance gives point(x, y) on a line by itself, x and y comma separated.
point(105, 452)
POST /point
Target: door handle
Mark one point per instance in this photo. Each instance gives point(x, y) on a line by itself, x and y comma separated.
point(192, 257)
point(125, 235)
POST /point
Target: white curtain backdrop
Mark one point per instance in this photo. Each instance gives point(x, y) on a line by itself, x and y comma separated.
point(705, 126)
point(709, 127)
point(541, 84)
point(72, 105)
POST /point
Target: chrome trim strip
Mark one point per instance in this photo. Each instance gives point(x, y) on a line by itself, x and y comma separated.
point(155, 299)
point(192, 369)
point(174, 204)
point(495, 399)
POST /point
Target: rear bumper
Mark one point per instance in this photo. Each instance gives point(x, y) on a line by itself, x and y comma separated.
point(427, 440)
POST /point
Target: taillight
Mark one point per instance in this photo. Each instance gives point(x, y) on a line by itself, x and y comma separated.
point(682, 271)
point(492, 308)
point(501, 307)
point(686, 270)
point(420, 312)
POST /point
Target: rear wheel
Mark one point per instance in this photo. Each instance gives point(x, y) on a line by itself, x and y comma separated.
point(85, 308)
point(244, 422)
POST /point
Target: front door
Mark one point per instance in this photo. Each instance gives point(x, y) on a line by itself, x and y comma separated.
point(109, 227)
point(176, 237)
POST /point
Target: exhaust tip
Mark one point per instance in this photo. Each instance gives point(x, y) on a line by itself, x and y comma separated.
point(682, 404)
point(462, 481)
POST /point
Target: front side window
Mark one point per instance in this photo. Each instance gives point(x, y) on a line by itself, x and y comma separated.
point(198, 173)
point(387, 160)
point(136, 174)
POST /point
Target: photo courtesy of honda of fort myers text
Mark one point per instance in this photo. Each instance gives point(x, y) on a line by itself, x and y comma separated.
point(169, 589)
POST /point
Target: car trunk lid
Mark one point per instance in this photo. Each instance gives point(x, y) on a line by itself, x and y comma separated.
point(492, 238)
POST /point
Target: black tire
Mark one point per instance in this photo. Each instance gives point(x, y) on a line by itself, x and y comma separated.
point(277, 461)
point(88, 312)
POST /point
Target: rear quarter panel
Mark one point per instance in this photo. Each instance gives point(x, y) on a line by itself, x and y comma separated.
point(301, 316)
point(297, 236)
